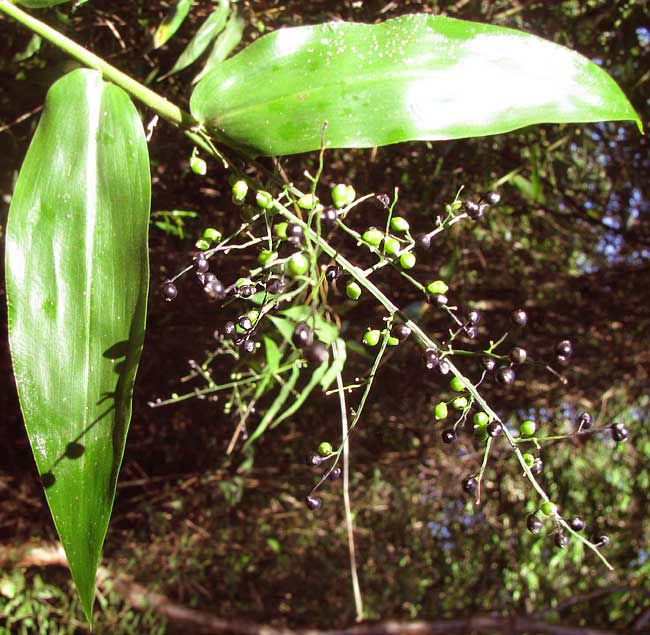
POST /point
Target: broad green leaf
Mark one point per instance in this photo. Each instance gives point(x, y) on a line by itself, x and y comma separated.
point(212, 26)
point(229, 38)
point(40, 4)
point(415, 77)
point(171, 23)
point(77, 281)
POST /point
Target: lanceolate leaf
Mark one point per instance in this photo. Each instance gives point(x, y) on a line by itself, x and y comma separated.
point(212, 26)
point(77, 281)
point(415, 77)
point(229, 38)
point(171, 22)
point(40, 4)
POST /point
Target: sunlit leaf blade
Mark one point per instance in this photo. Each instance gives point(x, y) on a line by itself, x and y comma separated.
point(77, 283)
point(415, 77)
point(171, 23)
point(209, 30)
point(229, 38)
point(40, 4)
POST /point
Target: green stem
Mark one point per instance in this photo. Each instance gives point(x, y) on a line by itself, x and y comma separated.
point(158, 104)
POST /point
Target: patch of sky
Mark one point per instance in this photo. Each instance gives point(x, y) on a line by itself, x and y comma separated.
point(643, 35)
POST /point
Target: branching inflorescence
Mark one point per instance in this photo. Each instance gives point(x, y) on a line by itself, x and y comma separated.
point(284, 316)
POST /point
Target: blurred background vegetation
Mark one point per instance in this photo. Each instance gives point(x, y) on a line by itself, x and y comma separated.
point(230, 536)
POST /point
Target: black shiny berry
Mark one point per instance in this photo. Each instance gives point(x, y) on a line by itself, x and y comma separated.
point(229, 328)
point(333, 273)
point(620, 432)
point(505, 375)
point(488, 363)
point(471, 332)
point(276, 285)
point(169, 291)
point(431, 358)
point(444, 367)
point(215, 289)
point(246, 290)
point(564, 349)
point(492, 198)
point(313, 459)
point(584, 421)
point(576, 523)
point(601, 541)
point(248, 345)
point(314, 502)
point(534, 524)
point(519, 318)
point(316, 353)
point(494, 429)
point(470, 485)
point(329, 215)
point(449, 435)
point(474, 317)
point(245, 322)
point(561, 540)
point(401, 331)
point(475, 210)
point(518, 355)
point(422, 242)
point(537, 467)
point(335, 474)
point(295, 231)
point(201, 264)
point(439, 299)
point(302, 335)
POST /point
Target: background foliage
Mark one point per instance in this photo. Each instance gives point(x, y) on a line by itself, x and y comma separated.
point(570, 241)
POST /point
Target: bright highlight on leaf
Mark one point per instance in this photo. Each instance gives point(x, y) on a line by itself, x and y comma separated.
point(415, 77)
point(77, 280)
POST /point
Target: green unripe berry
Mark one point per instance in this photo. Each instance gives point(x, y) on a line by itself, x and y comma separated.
point(281, 230)
point(340, 195)
point(264, 199)
point(325, 448)
point(399, 224)
point(198, 166)
point(391, 246)
point(548, 508)
point(407, 260)
point(373, 237)
point(529, 459)
point(353, 290)
point(481, 419)
point(253, 315)
point(527, 428)
point(371, 338)
point(392, 341)
point(212, 234)
point(460, 403)
point(243, 282)
point(307, 201)
point(267, 256)
point(438, 287)
point(239, 191)
point(202, 244)
point(298, 264)
point(441, 411)
point(456, 384)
